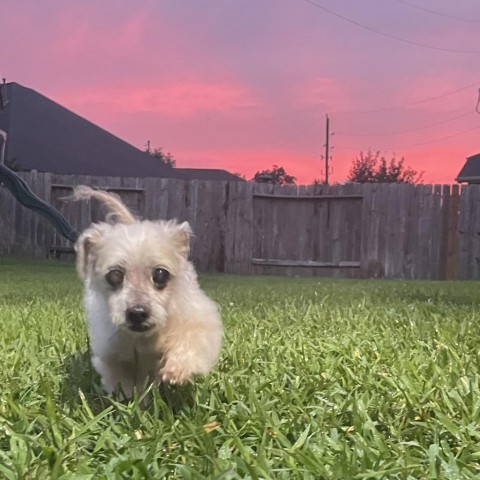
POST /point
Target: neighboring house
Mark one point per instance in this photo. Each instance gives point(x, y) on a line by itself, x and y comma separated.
point(44, 136)
point(470, 172)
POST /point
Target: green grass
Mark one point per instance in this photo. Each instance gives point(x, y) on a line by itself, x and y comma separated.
point(317, 379)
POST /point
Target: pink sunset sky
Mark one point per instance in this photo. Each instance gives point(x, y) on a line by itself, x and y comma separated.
point(246, 84)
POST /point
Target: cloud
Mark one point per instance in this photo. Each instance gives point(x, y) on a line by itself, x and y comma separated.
point(176, 100)
point(244, 85)
point(437, 93)
point(80, 37)
point(325, 91)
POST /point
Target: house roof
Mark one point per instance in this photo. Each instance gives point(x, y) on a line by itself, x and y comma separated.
point(44, 136)
point(470, 172)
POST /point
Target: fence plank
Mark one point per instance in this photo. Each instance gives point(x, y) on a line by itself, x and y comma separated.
point(424, 247)
point(475, 234)
point(382, 232)
point(452, 233)
point(238, 239)
point(398, 231)
point(408, 219)
point(464, 234)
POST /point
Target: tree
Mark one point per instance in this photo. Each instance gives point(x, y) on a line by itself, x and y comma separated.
point(165, 158)
point(371, 168)
point(277, 175)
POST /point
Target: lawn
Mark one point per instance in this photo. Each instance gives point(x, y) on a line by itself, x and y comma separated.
point(317, 379)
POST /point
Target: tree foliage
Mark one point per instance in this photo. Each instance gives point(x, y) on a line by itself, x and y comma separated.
point(276, 175)
point(372, 168)
point(165, 158)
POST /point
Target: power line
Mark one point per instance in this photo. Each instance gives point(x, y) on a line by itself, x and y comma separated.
point(394, 37)
point(404, 131)
point(446, 137)
point(418, 7)
point(293, 138)
point(410, 104)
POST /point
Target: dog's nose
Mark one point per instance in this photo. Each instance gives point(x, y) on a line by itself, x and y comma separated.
point(137, 314)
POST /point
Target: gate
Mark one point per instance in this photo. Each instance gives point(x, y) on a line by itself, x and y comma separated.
point(321, 233)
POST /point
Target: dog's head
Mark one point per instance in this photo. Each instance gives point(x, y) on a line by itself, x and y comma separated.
point(134, 265)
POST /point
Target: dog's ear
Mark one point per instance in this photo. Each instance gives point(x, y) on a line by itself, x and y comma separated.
point(182, 238)
point(85, 247)
point(180, 234)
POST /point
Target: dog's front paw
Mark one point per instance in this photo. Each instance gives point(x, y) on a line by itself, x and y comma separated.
point(174, 373)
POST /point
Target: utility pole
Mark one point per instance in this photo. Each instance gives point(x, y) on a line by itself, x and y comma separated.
point(327, 150)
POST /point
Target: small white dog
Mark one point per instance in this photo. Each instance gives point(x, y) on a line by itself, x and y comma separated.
point(147, 316)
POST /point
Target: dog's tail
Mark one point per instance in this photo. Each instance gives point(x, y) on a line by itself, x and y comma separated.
point(117, 211)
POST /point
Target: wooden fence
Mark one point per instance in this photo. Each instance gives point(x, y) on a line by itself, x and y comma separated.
point(391, 231)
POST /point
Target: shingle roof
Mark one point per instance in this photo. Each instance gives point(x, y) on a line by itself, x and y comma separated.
point(44, 136)
point(470, 172)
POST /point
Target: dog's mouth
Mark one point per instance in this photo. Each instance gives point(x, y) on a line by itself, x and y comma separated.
point(140, 328)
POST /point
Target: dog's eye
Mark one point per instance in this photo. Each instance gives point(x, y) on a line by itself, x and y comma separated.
point(160, 278)
point(114, 277)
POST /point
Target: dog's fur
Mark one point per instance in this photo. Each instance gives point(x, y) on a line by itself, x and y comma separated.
point(143, 323)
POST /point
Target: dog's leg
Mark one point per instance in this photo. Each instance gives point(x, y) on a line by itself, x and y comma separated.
point(190, 351)
point(116, 376)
